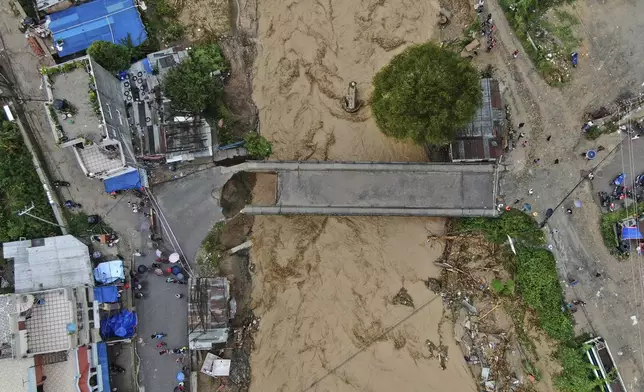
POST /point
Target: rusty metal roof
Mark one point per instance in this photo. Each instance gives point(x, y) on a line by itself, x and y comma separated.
point(482, 139)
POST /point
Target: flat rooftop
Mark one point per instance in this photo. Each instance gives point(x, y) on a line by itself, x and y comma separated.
point(61, 376)
point(49, 263)
point(7, 306)
point(419, 189)
point(73, 86)
point(47, 327)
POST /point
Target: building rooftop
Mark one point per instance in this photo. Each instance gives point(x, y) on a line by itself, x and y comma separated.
point(17, 375)
point(482, 139)
point(44, 4)
point(73, 87)
point(161, 130)
point(49, 263)
point(61, 376)
point(48, 327)
point(7, 308)
point(99, 20)
point(208, 311)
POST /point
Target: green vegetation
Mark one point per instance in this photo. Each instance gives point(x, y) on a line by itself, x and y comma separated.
point(537, 283)
point(257, 145)
point(161, 22)
point(426, 94)
point(212, 246)
point(608, 222)
point(19, 187)
point(547, 37)
point(594, 132)
point(576, 375)
point(516, 224)
point(111, 56)
point(503, 288)
point(192, 86)
point(63, 68)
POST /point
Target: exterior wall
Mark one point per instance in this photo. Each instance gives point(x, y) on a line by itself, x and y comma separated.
point(111, 98)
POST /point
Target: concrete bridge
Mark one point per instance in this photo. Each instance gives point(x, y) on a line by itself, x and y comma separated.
point(370, 189)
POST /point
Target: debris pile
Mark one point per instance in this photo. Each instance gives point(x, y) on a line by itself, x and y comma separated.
point(483, 328)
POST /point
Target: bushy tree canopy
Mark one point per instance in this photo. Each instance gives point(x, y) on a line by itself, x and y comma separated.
point(110, 56)
point(191, 86)
point(257, 145)
point(426, 94)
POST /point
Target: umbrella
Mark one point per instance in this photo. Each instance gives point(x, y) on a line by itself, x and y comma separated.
point(527, 207)
point(174, 258)
point(578, 203)
point(158, 271)
point(159, 253)
point(180, 276)
point(549, 212)
point(591, 154)
point(142, 269)
point(181, 376)
point(176, 270)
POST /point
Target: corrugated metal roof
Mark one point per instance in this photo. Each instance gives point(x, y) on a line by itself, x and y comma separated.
point(482, 138)
point(100, 20)
point(49, 263)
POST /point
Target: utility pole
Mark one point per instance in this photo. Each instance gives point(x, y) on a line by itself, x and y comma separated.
point(26, 212)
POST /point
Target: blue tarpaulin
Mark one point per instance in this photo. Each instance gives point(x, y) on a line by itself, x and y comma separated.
point(100, 20)
point(631, 233)
point(104, 294)
point(129, 179)
point(120, 325)
point(109, 272)
point(104, 362)
point(146, 65)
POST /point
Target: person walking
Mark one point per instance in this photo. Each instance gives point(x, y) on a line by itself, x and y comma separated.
point(515, 54)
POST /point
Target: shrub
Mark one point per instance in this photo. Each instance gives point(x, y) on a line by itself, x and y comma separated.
point(257, 145)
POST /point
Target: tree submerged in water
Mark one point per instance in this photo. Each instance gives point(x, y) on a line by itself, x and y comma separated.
point(426, 94)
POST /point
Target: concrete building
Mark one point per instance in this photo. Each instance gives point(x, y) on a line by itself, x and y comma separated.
point(208, 312)
point(49, 263)
point(87, 114)
point(176, 136)
point(50, 328)
point(483, 139)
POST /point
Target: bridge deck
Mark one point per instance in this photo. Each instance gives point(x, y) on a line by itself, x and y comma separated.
point(332, 188)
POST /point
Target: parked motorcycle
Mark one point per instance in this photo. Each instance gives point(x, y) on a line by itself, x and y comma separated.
point(605, 199)
point(70, 204)
point(59, 184)
point(158, 335)
point(116, 369)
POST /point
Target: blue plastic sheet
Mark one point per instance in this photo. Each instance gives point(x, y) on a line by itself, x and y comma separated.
point(105, 294)
point(631, 233)
point(109, 272)
point(104, 362)
point(120, 325)
point(130, 179)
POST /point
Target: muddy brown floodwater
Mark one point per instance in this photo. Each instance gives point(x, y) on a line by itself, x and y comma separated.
point(324, 286)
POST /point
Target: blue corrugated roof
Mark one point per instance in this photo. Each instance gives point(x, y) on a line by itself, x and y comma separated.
point(100, 20)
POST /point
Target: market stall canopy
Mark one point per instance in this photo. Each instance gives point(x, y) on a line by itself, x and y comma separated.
point(631, 233)
point(131, 178)
point(109, 272)
point(106, 294)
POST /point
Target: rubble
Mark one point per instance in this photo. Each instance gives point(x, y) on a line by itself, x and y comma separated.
point(403, 298)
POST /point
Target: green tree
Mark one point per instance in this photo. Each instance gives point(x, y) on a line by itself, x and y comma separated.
point(19, 187)
point(425, 94)
point(192, 86)
point(257, 145)
point(110, 56)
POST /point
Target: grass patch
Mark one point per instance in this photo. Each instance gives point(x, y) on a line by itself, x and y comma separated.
point(161, 23)
point(547, 43)
point(594, 132)
point(609, 220)
point(212, 245)
point(537, 284)
point(78, 226)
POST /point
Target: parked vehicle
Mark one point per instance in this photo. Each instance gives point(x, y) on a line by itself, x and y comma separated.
point(59, 184)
